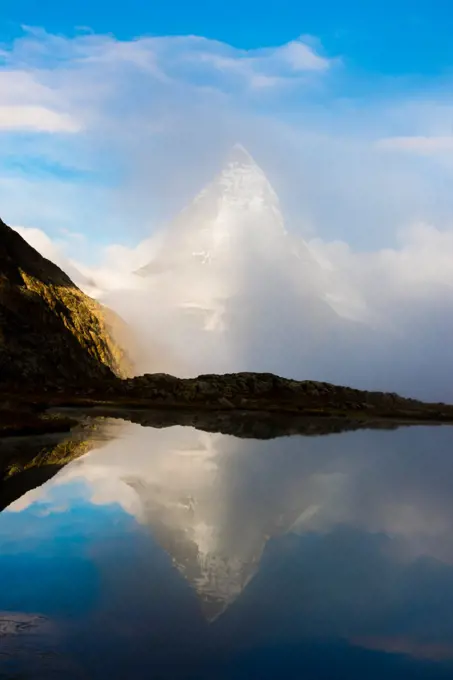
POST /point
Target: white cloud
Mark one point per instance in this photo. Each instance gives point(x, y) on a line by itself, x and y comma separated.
point(404, 293)
point(18, 86)
point(36, 118)
point(418, 144)
point(259, 68)
point(154, 118)
point(43, 244)
point(26, 103)
point(167, 59)
point(57, 252)
point(123, 98)
point(301, 57)
point(117, 263)
point(389, 278)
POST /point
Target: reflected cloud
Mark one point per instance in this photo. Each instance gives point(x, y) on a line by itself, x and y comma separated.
point(213, 502)
point(310, 548)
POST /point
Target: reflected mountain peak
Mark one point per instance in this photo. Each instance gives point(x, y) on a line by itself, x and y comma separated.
point(188, 552)
point(182, 527)
point(192, 504)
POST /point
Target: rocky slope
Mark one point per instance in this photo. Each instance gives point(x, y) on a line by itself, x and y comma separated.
point(268, 392)
point(50, 332)
point(58, 344)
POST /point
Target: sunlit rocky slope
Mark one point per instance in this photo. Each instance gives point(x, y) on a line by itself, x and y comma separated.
point(51, 332)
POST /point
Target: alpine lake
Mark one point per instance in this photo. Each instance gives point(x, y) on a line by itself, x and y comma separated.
point(239, 550)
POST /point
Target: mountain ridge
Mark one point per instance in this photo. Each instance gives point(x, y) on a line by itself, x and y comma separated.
point(50, 331)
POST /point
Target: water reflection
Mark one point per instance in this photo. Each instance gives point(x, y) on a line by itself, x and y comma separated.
point(204, 555)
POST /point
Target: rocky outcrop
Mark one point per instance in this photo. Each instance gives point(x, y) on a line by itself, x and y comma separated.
point(242, 424)
point(51, 333)
point(58, 344)
point(268, 392)
point(29, 461)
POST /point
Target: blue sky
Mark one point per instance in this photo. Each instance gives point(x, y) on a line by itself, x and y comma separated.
point(391, 36)
point(113, 117)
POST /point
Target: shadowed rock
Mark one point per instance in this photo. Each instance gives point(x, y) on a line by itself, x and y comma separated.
point(50, 332)
point(27, 462)
point(274, 394)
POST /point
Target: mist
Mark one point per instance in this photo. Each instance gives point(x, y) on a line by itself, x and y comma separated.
point(264, 299)
point(342, 270)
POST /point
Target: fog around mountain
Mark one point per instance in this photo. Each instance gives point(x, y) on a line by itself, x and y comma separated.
point(360, 169)
point(227, 286)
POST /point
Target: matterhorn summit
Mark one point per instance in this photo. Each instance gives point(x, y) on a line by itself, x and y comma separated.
point(229, 288)
point(242, 185)
point(235, 215)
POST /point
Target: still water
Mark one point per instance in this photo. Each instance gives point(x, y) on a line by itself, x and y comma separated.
point(175, 553)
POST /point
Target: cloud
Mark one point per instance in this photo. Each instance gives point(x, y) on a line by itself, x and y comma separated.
point(422, 262)
point(301, 57)
point(418, 144)
point(365, 503)
point(115, 108)
point(35, 118)
point(57, 252)
point(168, 59)
point(140, 126)
point(18, 86)
point(259, 68)
point(28, 104)
point(43, 244)
point(368, 485)
point(154, 117)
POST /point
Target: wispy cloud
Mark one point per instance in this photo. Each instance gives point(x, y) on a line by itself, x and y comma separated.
point(301, 57)
point(108, 106)
point(367, 179)
point(418, 144)
point(26, 103)
point(37, 118)
point(259, 68)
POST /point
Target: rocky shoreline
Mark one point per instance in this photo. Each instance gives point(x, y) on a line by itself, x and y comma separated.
point(41, 432)
point(26, 412)
point(60, 347)
point(268, 392)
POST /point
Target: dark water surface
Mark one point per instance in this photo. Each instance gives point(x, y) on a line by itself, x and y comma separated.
point(176, 553)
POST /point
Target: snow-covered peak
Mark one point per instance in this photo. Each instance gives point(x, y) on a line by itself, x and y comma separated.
point(236, 213)
point(226, 274)
point(242, 184)
point(238, 155)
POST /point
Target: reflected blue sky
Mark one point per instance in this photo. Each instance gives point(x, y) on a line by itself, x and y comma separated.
point(328, 557)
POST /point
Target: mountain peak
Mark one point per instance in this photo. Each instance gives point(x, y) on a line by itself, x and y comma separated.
point(229, 216)
point(239, 155)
